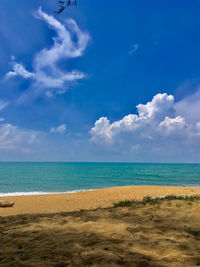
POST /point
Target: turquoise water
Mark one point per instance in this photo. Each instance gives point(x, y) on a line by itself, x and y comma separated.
point(34, 178)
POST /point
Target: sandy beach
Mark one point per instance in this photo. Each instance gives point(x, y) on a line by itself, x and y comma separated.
point(86, 229)
point(87, 200)
point(95, 233)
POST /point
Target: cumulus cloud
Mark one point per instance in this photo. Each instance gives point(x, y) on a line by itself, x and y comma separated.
point(156, 121)
point(172, 125)
point(189, 107)
point(151, 113)
point(60, 129)
point(160, 106)
point(70, 42)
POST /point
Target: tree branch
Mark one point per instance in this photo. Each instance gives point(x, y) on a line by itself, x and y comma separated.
point(65, 3)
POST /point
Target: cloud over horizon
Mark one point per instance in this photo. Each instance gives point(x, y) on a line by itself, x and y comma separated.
point(156, 123)
point(44, 55)
point(15, 138)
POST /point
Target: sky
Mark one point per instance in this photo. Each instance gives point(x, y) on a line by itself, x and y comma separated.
point(100, 82)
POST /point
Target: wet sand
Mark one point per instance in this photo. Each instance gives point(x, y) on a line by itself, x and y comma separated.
point(101, 198)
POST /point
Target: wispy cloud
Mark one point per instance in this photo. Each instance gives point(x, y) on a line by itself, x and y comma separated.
point(19, 70)
point(3, 104)
point(133, 49)
point(15, 138)
point(70, 42)
point(60, 129)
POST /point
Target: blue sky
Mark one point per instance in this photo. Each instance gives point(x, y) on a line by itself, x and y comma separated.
point(114, 82)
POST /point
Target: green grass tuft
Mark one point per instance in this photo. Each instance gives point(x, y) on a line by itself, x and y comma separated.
point(158, 200)
point(124, 203)
point(150, 200)
point(195, 233)
point(154, 200)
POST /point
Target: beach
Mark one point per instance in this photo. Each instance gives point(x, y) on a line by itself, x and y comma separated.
point(86, 229)
point(87, 200)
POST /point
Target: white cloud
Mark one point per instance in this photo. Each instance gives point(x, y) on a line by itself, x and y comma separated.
point(14, 138)
point(134, 48)
point(19, 69)
point(70, 42)
point(102, 130)
point(171, 125)
point(198, 128)
point(156, 122)
point(189, 107)
point(151, 114)
point(60, 129)
point(3, 104)
point(160, 106)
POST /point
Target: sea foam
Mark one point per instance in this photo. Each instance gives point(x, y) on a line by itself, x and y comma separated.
point(12, 194)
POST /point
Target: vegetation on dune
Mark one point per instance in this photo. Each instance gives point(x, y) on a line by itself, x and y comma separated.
point(195, 233)
point(125, 203)
point(157, 200)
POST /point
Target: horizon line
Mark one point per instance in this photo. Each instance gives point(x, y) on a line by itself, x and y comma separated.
point(125, 162)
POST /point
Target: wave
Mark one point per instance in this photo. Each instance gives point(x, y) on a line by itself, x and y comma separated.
point(12, 194)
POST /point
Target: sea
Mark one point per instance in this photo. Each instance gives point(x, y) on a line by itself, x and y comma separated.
point(32, 178)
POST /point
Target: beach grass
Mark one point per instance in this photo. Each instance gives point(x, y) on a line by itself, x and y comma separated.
point(124, 203)
point(158, 200)
point(195, 233)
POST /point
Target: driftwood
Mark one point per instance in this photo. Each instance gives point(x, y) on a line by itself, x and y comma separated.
point(6, 204)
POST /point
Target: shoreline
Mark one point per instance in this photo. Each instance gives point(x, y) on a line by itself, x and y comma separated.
point(88, 200)
point(41, 193)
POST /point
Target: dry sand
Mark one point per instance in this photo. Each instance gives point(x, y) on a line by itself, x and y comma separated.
point(164, 234)
point(101, 198)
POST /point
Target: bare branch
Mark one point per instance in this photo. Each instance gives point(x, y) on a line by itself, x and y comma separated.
point(65, 3)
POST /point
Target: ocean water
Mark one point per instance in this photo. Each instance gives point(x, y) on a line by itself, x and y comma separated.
point(40, 177)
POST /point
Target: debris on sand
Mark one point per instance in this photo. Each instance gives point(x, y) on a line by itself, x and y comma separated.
point(6, 204)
